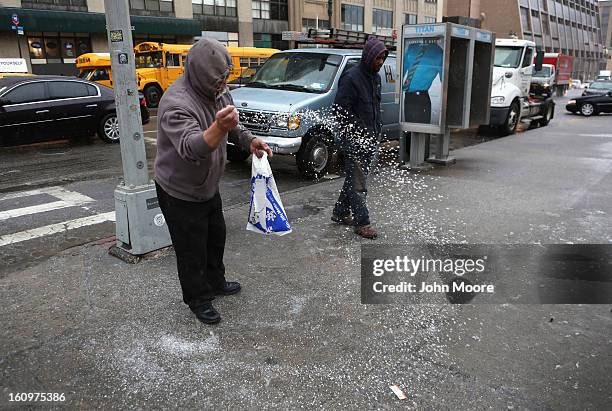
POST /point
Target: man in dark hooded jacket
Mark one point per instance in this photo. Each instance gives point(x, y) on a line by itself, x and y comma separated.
point(358, 110)
point(196, 117)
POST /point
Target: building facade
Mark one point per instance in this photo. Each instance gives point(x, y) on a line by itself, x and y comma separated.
point(371, 16)
point(55, 32)
point(605, 18)
point(564, 26)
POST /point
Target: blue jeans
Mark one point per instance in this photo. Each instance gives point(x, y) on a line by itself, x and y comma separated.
point(354, 191)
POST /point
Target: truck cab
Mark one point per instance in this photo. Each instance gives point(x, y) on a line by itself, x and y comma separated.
point(511, 100)
point(545, 77)
point(287, 104)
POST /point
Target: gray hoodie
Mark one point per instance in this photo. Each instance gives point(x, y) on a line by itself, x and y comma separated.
point(186, 167)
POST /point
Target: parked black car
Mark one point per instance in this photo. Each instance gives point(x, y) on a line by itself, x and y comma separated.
point(591, 105)
point(598, 88)
point(46, 107)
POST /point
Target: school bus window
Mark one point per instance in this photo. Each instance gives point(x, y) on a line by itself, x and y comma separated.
point(173, 60)
point(85, 73)
point(244, 62)
point(149, 60)
point(99, 75)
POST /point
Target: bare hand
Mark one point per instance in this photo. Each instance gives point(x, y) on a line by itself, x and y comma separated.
point(227, 118)
point(258, 146)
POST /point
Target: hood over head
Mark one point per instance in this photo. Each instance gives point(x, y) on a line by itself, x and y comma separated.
point(208, 64)
point(371, 50)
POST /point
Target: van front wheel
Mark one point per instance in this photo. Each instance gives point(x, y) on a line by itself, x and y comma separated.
point(314, 157)
point(152, 94)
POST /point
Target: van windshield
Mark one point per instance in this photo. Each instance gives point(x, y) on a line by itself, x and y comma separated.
point(309, 72)
point(508, 57)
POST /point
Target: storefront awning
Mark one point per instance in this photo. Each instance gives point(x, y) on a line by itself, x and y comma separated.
point(78, 22)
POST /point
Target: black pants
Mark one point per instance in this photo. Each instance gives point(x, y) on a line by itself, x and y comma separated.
point(198, 236)
point(417, 107)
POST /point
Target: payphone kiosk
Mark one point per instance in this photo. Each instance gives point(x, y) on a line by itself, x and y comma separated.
point(446, 72)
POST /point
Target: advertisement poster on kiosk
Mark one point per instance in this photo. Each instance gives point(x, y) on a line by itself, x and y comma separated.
point(423, 74)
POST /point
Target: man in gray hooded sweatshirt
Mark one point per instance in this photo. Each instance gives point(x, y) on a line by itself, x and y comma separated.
point(196, 117)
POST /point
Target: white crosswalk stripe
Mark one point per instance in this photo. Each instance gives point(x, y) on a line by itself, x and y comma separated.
point(55, 228)
point(65, 199)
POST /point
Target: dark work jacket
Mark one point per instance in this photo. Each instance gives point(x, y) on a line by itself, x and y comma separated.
point(358, 102)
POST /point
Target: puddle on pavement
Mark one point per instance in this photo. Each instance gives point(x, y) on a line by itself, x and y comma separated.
point(301, 211)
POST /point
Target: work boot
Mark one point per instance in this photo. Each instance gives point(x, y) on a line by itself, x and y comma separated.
point(207, 314)
point(229, 288)
point(366, 231)
point(346, 220)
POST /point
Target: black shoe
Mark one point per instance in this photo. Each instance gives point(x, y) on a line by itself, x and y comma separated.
point(229, 288)
point(207, 314)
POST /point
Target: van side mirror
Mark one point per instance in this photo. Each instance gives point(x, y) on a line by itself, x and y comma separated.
point(4, 102)
point(539, 59)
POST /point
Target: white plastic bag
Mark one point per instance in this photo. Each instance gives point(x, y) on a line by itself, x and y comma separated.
point(266, 214)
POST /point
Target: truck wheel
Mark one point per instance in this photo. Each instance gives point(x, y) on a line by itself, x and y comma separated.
point(548, 116)
point(108, 130)
point(152, 94)
point(314, 157)
point(588, 109)
point(235, 154)
point(512, 120)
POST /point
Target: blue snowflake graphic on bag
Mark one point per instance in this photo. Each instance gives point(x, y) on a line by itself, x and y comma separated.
point(266, 213)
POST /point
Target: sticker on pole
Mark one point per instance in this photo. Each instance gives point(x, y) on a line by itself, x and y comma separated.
point(116, 36)
point(159, 220)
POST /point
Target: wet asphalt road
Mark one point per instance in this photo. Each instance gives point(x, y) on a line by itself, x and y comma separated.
point(91, 168)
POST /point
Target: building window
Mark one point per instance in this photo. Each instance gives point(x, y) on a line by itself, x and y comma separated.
point(352, 17)
point(382, 20)
point(152, 5)
point(410, 19)
point(57, 47)
point(64, 3)
point(268, 40)
point(261, 9)
point(313, 24)
point(535, 20)
point(428, 19)
point(215, 7)
point(525, 22)
point(270, 9)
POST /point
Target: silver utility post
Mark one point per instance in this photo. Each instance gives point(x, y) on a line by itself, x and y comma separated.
point(140, 225)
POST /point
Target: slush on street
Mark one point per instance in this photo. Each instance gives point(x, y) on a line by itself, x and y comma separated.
point(291, 204)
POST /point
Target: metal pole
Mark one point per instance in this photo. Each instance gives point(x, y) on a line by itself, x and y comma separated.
point(119, 32)
point(140, 225)
point(330, 8)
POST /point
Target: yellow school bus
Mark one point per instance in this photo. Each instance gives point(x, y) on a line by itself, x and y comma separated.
point(244, 58)
point(158, 65)
point(95, 67)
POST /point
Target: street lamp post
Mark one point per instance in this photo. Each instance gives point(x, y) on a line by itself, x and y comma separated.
point(330, 8)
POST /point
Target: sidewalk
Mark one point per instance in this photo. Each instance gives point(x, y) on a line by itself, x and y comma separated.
point(113, 335)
